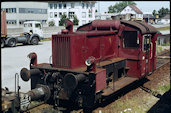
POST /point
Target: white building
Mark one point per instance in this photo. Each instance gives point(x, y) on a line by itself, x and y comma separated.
point(105, 16)
point(19, 12)
point(83, 10)
point(132, 12)
point(166, 19)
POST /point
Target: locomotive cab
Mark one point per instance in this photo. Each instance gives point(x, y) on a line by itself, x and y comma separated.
point(139, 46)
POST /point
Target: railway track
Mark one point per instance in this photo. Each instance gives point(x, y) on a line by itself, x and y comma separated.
point(163, 58)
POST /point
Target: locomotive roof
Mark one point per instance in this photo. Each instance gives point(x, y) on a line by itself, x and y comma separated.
point(142, 26)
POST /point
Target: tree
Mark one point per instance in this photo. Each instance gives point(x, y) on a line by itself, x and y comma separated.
point(75, 21)
point(163, 12)
point(154, 13)
point(51, 23)
point(118, 7)
point(62, 20)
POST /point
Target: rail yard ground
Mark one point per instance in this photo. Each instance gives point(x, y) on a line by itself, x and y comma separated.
point(152, 97)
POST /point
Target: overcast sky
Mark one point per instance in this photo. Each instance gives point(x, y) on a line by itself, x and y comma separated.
point(144, 6)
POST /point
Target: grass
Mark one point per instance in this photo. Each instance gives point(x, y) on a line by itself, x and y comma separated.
point(166, 44)
point(163, 28)
point(162, 47)
point(159, 49)
point(164, 88)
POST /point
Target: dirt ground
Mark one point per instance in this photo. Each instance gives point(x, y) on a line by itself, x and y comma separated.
point(155, 98)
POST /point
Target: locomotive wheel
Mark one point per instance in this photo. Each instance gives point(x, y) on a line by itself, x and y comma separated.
point(34, 41)
point(12, 43)
point(2, 43)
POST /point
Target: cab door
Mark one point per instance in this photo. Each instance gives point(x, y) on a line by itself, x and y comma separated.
point(147, 47)
point(38, 29)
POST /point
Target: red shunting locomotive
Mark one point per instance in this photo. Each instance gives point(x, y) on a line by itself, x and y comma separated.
point(100, 58)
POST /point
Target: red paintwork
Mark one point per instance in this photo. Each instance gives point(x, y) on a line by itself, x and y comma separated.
point(33, 58)
point(81, 48)
point(101, 80)
point(102, 40)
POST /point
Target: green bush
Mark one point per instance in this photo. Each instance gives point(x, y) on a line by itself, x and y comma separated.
point(62, 20)
point(75, 21)
point(51, 23)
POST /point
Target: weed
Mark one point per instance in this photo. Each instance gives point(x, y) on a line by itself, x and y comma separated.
point(163, 28)
point(164, 88)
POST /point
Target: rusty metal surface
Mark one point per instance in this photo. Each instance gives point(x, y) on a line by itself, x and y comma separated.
point(59, 69)
point(3, 23)
point(141, 25)
point(109, 61)
point(5, 105)
point(44, 65)
point(25, 74)
point(61, 51)
point(106, 24)
point(122, 82)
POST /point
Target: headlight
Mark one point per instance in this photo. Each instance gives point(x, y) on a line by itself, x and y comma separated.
point(90, 61)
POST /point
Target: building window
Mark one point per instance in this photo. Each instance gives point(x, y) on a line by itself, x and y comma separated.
point(83, 21)
point(55, 6)
point(60, 6)
point(55, 14)
point(130, 39)
point(64, 5)
point(60, 14)
point(13, 22)
point(51, 14)
point(43, 21)
point(33, 10)
point(51, 6)
point(87, 5)
point(71, 15)
point(83, 14)
point(83, 5)
point(90, 15)
point(65, 13)
point(72, 5)
point(21, 21)
point(6, 10)
point(10, 10)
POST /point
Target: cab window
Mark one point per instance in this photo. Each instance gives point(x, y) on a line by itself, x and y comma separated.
point(30, 25)
point(25, 25)
point(130, 39)
point(38, 26)
point(146, 42)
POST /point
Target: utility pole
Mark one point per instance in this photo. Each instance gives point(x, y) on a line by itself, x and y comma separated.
point(99, 9)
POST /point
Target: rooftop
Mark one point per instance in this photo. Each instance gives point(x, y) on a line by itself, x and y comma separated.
point(166, 17)
point(136, 9)
point(148, 16)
